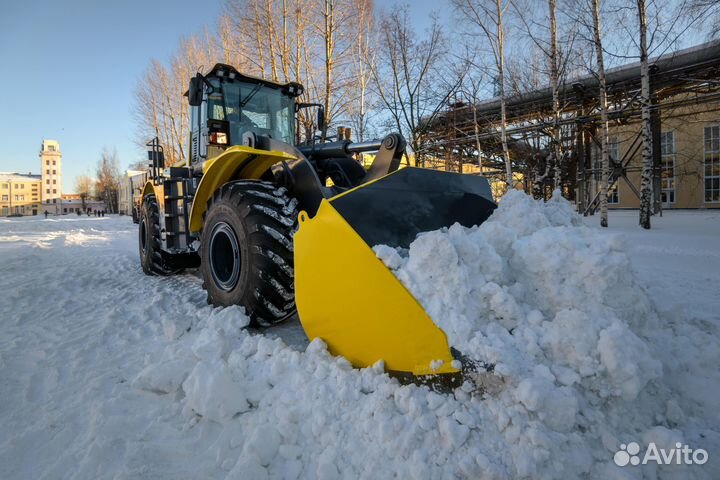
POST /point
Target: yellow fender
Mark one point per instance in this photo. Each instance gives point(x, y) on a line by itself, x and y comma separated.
point(347, 297)
point(151, 189)
point(238, 162)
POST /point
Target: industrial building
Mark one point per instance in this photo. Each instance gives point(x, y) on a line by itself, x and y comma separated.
point(685, 129)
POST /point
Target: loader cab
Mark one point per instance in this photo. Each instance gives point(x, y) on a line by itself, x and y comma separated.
point(228, 108)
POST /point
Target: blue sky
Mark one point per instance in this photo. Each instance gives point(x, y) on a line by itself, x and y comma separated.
point(69, 70)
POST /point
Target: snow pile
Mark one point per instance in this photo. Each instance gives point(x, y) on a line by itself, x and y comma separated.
point(26, 231)
point(551, 305)
point(544, 299)
point(556, 309)
point(112, 374)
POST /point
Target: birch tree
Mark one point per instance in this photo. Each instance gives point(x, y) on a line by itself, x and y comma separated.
point(487, 16)
point(407, 77)
point(603, 104)
point(309, 41)
point(554, 85)
point(647, 140)
point(363, 55)
point(329, 43)
point(547, 41)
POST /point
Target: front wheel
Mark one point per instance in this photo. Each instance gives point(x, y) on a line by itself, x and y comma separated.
point(246, 250)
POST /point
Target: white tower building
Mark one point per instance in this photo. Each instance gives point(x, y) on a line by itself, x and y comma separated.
point(51, 188)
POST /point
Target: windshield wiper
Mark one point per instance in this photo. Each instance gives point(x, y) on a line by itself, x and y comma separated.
point(249, 96)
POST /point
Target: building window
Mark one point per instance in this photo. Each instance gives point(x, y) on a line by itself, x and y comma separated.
point(667, 167)
point(4, 186)
point(712, 164)
point(53, 162)
point(64, 210)
point(51, 148)
point(54, 182)
point(4, 198)
point(47, 201)
point(54, 200)
point(47, 162)
point(53, 172)
point(48, 171)
point(20, 198)
point(47, 181)
point(47, 190)
point(54, 190)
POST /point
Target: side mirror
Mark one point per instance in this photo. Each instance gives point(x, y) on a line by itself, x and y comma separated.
point(195, 91)
point(321, 119)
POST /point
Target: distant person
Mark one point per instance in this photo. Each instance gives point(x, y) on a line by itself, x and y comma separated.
point(103, 213)
point(88, 212)
point(79, 212)
point(46, 213)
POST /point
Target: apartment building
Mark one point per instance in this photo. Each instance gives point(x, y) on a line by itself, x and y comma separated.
point(19, 194)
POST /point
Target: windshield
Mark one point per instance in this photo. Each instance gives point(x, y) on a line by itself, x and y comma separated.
point(252, 108)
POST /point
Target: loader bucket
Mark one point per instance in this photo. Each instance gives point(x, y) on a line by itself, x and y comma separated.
point(346, 296)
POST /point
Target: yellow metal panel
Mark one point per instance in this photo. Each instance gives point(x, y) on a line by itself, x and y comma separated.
point(149, 189)
point(346, 296)
point(237, 162)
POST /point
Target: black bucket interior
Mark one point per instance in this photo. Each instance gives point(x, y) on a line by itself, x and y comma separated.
point(393, 210)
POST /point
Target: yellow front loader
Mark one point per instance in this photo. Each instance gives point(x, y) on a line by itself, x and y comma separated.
point(280, 226)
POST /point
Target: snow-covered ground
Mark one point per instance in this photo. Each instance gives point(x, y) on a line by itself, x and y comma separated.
point(599, 338)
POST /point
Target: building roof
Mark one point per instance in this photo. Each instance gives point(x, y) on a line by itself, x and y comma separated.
point(17, 177)
point(699, 64)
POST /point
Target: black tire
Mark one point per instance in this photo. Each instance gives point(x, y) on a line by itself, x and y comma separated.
point(151, 257)
point(246, 250)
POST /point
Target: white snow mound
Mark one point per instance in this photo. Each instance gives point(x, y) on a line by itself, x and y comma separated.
point(532, 286)
point(550, 304)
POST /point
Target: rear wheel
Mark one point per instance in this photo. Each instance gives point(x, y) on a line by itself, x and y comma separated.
point(151, 257)
point(246, 250)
